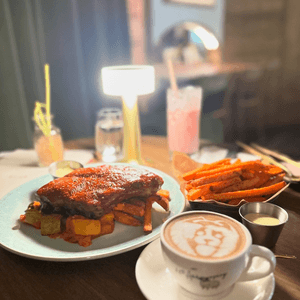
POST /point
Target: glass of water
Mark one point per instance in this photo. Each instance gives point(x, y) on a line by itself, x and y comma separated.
point(109, 134)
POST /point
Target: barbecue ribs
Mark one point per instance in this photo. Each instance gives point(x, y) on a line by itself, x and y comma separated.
point(93, 192)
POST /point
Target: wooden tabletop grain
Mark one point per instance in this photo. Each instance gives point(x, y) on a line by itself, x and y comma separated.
point(113, 278)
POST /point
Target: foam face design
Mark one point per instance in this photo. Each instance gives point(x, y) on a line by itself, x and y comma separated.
point(205, 236)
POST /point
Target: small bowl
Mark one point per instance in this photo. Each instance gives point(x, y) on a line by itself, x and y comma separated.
point(264, 235)
point(61, 168)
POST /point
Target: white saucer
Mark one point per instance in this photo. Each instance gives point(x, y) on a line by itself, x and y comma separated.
point(156, 282)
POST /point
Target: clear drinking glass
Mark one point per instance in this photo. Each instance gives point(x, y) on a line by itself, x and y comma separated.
point(183, 119)
point(48, 148)
point(109, 134)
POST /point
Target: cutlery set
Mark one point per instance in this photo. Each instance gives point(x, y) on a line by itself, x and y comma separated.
point(274, 158)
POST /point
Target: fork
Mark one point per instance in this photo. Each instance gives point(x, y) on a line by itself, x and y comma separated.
point(276, 154)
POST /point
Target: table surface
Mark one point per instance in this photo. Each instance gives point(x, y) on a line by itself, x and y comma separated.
point(114, 277)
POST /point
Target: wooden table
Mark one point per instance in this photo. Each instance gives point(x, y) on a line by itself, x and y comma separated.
point(113, 278)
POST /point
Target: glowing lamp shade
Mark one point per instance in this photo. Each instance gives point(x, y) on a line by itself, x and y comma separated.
point(129, 82)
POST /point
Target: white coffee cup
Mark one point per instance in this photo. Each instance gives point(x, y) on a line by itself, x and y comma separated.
point(207, 253)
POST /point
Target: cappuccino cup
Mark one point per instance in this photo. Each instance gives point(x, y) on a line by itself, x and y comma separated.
point(207, 253)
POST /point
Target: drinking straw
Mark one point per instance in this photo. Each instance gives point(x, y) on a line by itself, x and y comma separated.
point(43, 120)
point(172, 76)
point(39, 118)
point(47, 87)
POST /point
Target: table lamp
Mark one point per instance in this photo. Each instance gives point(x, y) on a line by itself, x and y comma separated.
point(129, 82)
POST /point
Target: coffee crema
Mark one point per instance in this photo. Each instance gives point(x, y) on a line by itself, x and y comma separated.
point(205, 236)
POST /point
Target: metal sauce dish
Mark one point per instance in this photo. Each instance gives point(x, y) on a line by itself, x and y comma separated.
point(61, 168)
point(264, 235)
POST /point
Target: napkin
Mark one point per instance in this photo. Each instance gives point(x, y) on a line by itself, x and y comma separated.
point(246, 156)
point(293, 169)
point(209, 154)
point(20, 166)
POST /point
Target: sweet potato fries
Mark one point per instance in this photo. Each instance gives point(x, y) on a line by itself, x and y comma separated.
point(229, 182)
point(137, 212)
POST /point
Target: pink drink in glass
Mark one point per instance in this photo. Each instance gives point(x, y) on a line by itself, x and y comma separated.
point(183, 119)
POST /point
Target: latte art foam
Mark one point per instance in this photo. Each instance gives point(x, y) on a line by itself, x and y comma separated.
point(205, 236)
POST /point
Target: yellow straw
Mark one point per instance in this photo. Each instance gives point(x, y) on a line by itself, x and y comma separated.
point(47, 87)
point(44, 122)
point(40, 119)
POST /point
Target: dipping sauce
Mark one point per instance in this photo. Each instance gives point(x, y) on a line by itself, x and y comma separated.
point(262, 219)
point(63, 171)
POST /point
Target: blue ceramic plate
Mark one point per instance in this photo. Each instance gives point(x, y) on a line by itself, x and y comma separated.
point(27, 241)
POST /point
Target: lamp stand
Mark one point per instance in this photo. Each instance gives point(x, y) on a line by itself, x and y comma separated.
point(132, 133)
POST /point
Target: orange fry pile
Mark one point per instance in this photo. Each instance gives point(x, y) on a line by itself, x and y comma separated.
point(229, 182)
point(137, 212)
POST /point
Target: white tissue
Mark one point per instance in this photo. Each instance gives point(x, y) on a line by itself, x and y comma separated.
point(210, 154)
